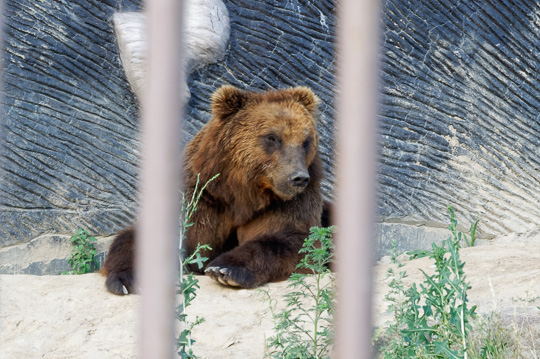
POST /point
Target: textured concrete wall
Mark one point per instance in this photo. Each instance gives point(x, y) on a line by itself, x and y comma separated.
point(459, 118)
point(69, 135)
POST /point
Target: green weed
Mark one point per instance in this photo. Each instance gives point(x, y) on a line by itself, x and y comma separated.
point(306, 331)
point(188, 284)
point(83, 255)
point(432, 320)
point(187, 288)
point(490, 338)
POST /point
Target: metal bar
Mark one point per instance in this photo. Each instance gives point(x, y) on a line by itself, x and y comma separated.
point(158, 227)
point(357, 105)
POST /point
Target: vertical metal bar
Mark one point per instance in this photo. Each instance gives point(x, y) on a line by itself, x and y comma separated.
point(157, 243)
point(357, 47)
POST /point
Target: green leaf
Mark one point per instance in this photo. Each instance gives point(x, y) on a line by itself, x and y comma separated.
point(442, 347)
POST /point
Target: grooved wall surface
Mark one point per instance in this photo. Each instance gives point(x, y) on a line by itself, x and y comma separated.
point(459, 116)
point(460, 112)
point(70, 134)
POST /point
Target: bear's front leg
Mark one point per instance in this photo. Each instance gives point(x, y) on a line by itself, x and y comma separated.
point(256, 262)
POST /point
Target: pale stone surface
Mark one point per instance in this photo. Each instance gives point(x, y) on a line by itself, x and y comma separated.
point(206, 36)
point(458, 119)
point(75, 317)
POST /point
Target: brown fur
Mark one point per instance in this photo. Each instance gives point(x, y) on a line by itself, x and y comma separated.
point(256, 214)
point(118, 266)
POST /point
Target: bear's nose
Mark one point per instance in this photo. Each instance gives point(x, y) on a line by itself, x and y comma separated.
point(299, 179)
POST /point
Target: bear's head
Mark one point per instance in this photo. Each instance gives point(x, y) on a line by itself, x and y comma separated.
point(270, 138)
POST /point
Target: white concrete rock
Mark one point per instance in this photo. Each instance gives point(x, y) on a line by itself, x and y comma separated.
point(206, 35)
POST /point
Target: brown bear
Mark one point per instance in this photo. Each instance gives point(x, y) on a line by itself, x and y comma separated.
point(257, 213)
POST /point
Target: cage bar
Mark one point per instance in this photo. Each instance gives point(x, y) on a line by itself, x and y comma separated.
point(357, 105)
point(158, 226)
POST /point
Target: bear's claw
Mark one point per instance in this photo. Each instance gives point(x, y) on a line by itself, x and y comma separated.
point(120, 283)
point(222, 275)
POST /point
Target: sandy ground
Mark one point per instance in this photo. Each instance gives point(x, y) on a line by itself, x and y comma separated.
point(74, 316)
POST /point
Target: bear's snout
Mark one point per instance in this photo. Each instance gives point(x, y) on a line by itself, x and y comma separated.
point(299, 179)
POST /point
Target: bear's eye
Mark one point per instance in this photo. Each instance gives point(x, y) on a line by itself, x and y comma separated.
point(306, 144)
point(272, 139)
point(271, 142)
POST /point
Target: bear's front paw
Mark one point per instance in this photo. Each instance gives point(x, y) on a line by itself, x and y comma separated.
point(231, 276)
point(120, 283)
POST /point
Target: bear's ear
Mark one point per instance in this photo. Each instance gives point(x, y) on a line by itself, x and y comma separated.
point(306, 97)
point(227, 101)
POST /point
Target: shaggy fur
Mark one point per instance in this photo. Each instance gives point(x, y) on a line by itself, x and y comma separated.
point(256, 214)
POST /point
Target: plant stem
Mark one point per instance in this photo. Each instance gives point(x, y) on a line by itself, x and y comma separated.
point(316, 319)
